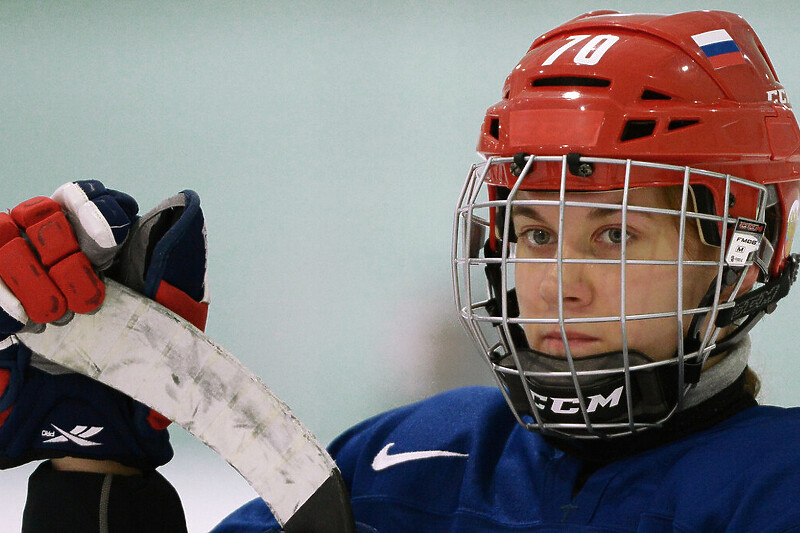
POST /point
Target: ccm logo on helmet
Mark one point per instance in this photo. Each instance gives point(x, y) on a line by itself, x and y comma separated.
point(571, 406)
point(778, 96)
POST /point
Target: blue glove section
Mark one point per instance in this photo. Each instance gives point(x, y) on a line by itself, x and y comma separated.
point(58, 415)
point(118, 208)
point(102, 218)
point(8, 324)
point(179, 257)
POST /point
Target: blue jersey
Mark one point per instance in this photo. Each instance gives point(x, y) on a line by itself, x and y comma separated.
point(459, 462)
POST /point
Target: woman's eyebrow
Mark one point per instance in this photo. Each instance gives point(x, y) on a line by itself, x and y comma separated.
point(603, 212)
point(594, 213)
point(527, 212)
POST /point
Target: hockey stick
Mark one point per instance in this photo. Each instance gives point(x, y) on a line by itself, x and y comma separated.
point(142, 349)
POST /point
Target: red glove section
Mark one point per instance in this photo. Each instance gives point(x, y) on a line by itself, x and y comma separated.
point(177, 301)
point(61, 278)
point(5, 378)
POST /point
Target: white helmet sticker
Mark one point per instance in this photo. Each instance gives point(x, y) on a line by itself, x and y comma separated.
point(746, 239)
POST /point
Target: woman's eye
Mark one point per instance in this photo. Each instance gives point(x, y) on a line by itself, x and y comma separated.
point(613, 235)
point(538, 237)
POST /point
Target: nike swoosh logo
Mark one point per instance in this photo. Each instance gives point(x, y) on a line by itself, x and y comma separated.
point(383, 460)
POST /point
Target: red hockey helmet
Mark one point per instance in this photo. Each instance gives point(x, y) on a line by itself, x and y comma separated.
point(613, 102)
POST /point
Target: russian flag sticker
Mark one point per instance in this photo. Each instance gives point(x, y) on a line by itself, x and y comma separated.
point(719, 48)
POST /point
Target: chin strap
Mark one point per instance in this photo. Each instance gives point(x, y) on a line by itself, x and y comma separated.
point(747, 310)
point(763, 299)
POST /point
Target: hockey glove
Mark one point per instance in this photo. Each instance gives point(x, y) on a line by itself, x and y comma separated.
point(48, 412)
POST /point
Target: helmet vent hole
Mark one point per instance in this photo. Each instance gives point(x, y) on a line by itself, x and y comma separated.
point(678, 124)
point(654, 95)
point(494, 128)
point(570, 81)
point(636, 129)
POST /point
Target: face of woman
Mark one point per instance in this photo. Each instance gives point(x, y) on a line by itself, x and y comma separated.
point(594, 290)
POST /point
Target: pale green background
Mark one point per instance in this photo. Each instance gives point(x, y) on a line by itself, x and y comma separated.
point(328, 141)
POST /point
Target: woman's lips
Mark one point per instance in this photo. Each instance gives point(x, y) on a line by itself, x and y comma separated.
point(553, 342)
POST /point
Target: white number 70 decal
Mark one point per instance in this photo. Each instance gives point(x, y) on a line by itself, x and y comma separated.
point(590, 53)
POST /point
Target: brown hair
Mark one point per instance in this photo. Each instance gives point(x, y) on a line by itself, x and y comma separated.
point(695, 248)
point(752, 383)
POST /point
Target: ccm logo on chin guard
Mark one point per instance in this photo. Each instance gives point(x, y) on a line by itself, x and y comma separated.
point(79, 435)
point(571, 406)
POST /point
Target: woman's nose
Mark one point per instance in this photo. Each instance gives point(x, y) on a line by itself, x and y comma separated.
point(576, 286)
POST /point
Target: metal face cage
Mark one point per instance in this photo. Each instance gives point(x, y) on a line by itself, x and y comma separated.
point(623, 389)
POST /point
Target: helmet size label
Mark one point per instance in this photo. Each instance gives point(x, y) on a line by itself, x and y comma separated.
point(746, 239)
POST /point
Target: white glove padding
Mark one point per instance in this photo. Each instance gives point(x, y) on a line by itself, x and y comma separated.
point(100, 217)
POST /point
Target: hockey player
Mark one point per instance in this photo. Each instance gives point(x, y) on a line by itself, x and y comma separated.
point(631, 222)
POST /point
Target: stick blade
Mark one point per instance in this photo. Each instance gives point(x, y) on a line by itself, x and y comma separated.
point(142, 349)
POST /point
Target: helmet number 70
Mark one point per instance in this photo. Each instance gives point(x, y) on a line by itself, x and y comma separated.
point(590, 53)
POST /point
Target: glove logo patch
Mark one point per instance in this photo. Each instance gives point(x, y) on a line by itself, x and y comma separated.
point(79, 435)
